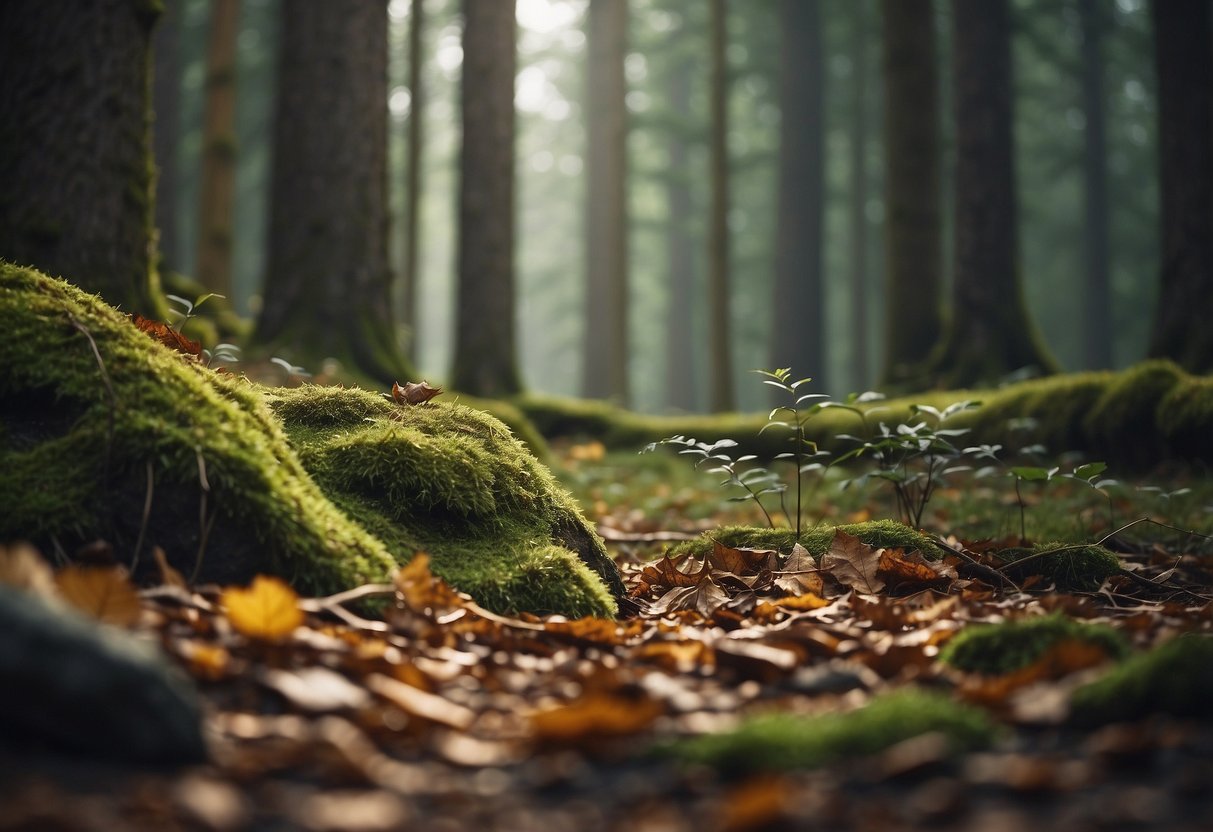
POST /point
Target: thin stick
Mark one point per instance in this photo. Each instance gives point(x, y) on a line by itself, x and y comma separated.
point(109, 387)
point(147, 516)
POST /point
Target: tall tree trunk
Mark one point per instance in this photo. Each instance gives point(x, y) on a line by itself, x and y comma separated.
point(218, 176)
point(166, 128)
point(1185, 138)
point(680, 354)
point(799, 314)
point(327, 281)
point(913, 212)
point(485, 342)
point(859, 196)
point(989, 334)
point(719, 326)
point(75, 145)
point(412, 181)
point(1097, 295)
point(605, 371)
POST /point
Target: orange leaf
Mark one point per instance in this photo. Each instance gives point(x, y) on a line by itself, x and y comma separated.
point(167, 336)
point(268, 610)
point(104, 592)
point(595, 716)
point(741, 561)
point(421, 590)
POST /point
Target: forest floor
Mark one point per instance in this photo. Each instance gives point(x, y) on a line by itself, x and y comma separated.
point(437, 713)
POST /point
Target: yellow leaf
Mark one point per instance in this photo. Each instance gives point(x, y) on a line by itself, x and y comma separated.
point(104, 592)
point(268, 610)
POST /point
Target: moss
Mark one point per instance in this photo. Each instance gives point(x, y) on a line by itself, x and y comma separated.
point(76, 462)
point(994, 649)
point(1175, 679)
point(782, 741)
point(1068, 566)
point(1123, 421)
point(1185, 419)
point(887, 534)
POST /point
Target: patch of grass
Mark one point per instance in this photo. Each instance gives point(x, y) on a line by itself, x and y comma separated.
point(1175, 679)
point(1069, 566)
point(996, 649)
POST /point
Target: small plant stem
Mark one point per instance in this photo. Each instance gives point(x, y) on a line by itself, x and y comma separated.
point(1019, 498)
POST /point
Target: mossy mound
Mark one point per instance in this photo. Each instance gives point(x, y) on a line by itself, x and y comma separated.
point(996, 649)
point(90, 408)
point(882, 534)
point(783, 741)
point(1068, 566)
point(1175, 679)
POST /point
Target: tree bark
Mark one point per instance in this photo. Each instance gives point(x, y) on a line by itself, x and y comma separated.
point(218, 175)
point(859, 196)
point(798, 303)
point(1185, 138)
point(680, 355)
point(166, 129)
point(412, 182)
point(720, 329)
point(485, 342)
point(75, 145)
point(327, 288)
point(605, 370)
point(913, 207)
point(1097, 295)
point(989, 334)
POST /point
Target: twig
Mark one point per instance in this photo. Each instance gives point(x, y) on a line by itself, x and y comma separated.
point(147, 516)
point(109, 387)
point(975, 565)
point(204, 524)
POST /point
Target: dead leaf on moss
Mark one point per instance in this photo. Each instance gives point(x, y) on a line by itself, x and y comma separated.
point(103, 592)
point(167, 336)
point(742, 561)
point(800, 574)
point(421, 590)
point(854, 563)
point(414, 392)
point(267, 611)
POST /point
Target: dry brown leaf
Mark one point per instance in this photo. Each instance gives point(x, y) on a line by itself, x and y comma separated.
point(662, 575)
point(898, 567)
point(104, 592)
point(800, 574)
point(316, 689)
point(167, 336)
point(268, 610)
point(1065, 657)
point(742, 561)
point(420, 589)
point(168, 575)
point(416, 702)
point(414, 392)
point(595, 716)
point(705, 597)
point(22, 567)
point(853, 563)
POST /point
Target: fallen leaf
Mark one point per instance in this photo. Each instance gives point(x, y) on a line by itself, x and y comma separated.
point(21, 567)
point(414, 392)
point(853, 563)
point(167, 336)
point(168, 575)
point(104, 592)
point(663, 574)
point(1065, 657)
point(421, 590)
point(705, 597)
point(742, 561)
point(898, 568)
point(316, 689)
point(268, 610)
point(595, 716)
point(418, 703)
point(800, 574)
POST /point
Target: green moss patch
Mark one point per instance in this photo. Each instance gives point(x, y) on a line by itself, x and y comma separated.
point(996, 649)
point(782, 741)
point(882, 534)
point(1068, 566)
point(1175, 679)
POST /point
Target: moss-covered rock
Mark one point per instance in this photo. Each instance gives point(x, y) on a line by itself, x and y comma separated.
point(778, 742)
point(1175, 679)
point(92, 410)
point(886, 534)
point(995, 649)
point(1068, 566)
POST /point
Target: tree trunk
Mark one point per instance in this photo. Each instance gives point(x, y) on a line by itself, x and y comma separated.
point(485, 343)
point(859, 196)
point(719, 327)
point(1185, 138)
point(989, 334)
point(327, 281)
point(913, 213)
point(412, 182)
point(166, 129)
point(1097, 295)
point(218, 175)
point(680, 354)
point(798, 304)
point(75, 145)
point(605, 374)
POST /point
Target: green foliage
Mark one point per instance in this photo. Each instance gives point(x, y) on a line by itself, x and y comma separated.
point(778, 742)
point(1175, 678)
point(994, 649)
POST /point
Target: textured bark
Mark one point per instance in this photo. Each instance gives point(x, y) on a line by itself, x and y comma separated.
point(327, 279)
point(218, 176)
point(1185, 138)
point(605, 370)
point(719, 327)
point(166, 129)
point(680, 354)
point(913, 212)
point(1097, 294)
point(75, 145)
point(989, 334)
point(798, 303)
point(859, 196)
point(412, 180)
point(485, 340)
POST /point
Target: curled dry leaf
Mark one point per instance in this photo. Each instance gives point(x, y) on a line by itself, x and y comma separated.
point(104, 592)
point(743, 561)
point(899, 568)
point(421, 590)
point(267, 611)
point(414, 392)
point(167, 336)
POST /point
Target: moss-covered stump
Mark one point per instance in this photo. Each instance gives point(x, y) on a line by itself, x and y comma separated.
point(881, 534)
point(101, 426)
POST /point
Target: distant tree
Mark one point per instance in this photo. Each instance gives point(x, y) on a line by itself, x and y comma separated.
point(859, 193)
point(327, 278)
point(799, 314)
point(485, 343)
point(166, 131)
point(989, 333)
point(680, 354)
point(1185, 131)
point(218, 176)
point(605, 371)
point(913, 212)
point(1097, 294)
point(412, 181)
point(719, 327)
point(75, 145)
